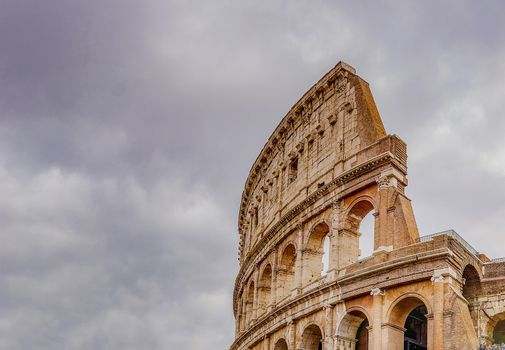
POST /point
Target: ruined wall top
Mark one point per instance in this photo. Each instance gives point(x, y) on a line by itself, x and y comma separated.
point(322, 136)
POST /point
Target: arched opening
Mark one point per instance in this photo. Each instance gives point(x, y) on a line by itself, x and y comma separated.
point(241, 313)
point(471, 284)
point(359, 225)
point(366, 238)
point(353, 331)
point(326, 255)
point(409, 314)
point(312, 338)
point(362, 336)
point(499, 332)
point(264, 289)
point(495, 330)
point(286, 272)
point(416, 329)
point(249, 303)
point(313, 254)
point(281, 345)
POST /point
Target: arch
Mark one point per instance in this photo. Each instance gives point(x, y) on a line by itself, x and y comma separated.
point(360, 207)
point(313, 253)
point(499, 332)
point(471, 286)
point(249, 303)
point(281, 344)
point(241, 313)
point(353, 329)
point(286, 271)
point(356, 212)
point(415, 298)
point(495, 328)
point(408, 322)
point(288, 255)
point(264, 289)
point(317, 226)
point(316, 235)
point(312, 337)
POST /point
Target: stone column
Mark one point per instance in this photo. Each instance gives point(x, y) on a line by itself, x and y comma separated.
point(255, 299)
point(334, 241)
point(328, 327)
point(392, 336)
point(291, 334)
point(430, 331)
point(266, 343)
point(438, 281)
point(378, 300)
point(245, 316)
point(238, 320)
point(383, 233)
point(299, 259)
point(273, 290)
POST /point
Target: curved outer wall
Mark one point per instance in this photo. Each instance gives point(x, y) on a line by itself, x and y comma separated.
point(326, 166)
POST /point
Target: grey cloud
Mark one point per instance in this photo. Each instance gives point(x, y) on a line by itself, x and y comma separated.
point(127, 130)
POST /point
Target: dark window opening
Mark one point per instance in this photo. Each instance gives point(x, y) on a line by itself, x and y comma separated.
point(416, 333)
point(362, 336)
point(499, 333)
point(293, 170)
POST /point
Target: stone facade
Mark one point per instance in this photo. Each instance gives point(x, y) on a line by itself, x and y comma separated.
point(326, 166)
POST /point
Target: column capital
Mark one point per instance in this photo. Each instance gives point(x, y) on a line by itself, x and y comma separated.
point(438, 279)
point(389, 178)
point(446, 275)
point(383, 182)
point(377, 292)
point(336, 204)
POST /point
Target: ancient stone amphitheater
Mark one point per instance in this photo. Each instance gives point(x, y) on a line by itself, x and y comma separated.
point(303, 282)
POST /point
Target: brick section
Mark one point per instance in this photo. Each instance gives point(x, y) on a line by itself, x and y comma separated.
point(302, 281)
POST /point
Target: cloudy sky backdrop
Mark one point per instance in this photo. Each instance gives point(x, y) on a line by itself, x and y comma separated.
point(128, 127)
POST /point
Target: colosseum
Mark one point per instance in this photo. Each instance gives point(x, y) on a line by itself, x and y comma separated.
point(304, 282)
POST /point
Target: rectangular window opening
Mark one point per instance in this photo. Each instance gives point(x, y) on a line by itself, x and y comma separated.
point(293, 170)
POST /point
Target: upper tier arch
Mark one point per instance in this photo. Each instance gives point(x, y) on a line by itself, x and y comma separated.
point(320, 138)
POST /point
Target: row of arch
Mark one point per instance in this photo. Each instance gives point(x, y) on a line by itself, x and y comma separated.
point(354, 331)
point(301, 262)
point(472, 290)
point(408, 312)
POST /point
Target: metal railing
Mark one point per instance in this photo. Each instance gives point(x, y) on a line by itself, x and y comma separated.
point(453, 234)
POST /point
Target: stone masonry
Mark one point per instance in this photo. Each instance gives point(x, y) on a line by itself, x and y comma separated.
point(328, 164)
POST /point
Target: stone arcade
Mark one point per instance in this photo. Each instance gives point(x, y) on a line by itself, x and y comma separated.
point(327, 165)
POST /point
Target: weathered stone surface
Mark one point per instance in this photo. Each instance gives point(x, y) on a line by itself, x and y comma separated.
point(326, 166)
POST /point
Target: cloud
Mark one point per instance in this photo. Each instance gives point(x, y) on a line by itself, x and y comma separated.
point(127, 131)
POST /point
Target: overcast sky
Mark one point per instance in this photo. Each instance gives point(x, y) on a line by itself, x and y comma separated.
point(128, 127)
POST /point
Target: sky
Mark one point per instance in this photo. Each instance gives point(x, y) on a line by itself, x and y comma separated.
point(127, 130)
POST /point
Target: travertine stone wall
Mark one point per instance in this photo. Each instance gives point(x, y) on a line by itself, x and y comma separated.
point(327, 165)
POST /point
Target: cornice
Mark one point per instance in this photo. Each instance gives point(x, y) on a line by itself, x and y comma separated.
point(342, 180)
point(338, 283)
point(299, 110)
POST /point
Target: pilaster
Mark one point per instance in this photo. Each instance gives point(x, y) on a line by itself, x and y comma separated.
point(299, 259)
point(255, 299)
point(378, 300)
point(273, 291)
point(328, 326)
point(439, 281)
